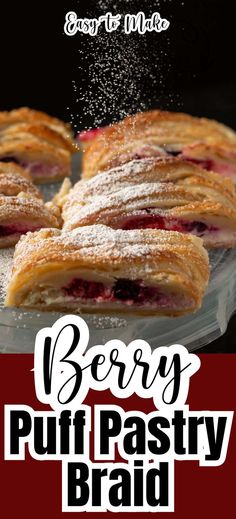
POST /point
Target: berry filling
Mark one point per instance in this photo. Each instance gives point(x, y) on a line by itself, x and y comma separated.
point(37, 169)
point(124, 291)
point(82, 289)
point(9, 230)
point(155, 221)
point(207, 164)
point(89, 135)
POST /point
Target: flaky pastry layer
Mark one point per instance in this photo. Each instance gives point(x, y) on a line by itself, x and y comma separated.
point(161, 205)
point(39, 130)
point(23, 213)
point(154, 133)
point(15, 180)
point(47, 262)
point(146, 171)
point(29, 115)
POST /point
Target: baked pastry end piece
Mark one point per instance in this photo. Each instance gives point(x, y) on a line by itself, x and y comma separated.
point(15, 180)
point(23, 213)
point(97, 269)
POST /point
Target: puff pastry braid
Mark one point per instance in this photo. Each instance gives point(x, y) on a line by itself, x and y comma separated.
point(157, 133)
point(146, 272)
point(44, 161)
point(182, 173)
point(161, 206)
point(15, 180)
point(23, 213)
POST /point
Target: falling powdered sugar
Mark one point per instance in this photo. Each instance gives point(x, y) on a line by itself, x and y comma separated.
point(118, 74)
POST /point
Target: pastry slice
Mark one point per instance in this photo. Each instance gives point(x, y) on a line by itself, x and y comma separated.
point(97, 269)
point(182, 173)
point(160, 206)
point(28, 115)
point(15, 180)
point(23, 213)
point(44, 162)
point(158, 133)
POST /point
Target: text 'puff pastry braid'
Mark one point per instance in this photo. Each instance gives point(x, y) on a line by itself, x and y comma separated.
point(182, 173)
point(146, 272)
point(15, 180)
point(157, 133)
point(23, 213)
point(45, 162)
point(160, 206)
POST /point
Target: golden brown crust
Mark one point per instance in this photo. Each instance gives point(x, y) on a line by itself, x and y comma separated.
point(40, 130)
point(155, 131)
point(21, 212)
point(14, 169)
point(11, 184)
point(170, 261)
point(30, 115)
point(27, 208)
point(179, 124)
point(182, 173)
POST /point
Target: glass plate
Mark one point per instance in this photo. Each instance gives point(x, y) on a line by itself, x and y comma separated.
point(18, 328)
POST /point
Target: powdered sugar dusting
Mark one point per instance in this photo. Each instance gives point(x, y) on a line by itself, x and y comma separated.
point(131, 198)
point(18, 208)
point(109, 181)
point(103, 243)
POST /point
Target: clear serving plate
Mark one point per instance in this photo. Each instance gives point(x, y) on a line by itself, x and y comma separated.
point(18, 328)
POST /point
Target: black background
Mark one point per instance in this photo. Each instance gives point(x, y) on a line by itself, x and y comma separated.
point(39, 62)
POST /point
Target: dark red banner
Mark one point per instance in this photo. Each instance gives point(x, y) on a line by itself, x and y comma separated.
point(32, 488)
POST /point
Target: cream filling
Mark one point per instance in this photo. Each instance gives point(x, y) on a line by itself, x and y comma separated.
point(50, 292)
point(221, 237)
point(50, 297)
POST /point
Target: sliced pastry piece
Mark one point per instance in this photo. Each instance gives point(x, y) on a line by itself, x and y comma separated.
point(97, 269)
point(23, 213)
point(41, 131)
point(15, 179)
point(45, 162)
point(160, 206)
point(28, 115)
point(169, 169)
point(157, 133)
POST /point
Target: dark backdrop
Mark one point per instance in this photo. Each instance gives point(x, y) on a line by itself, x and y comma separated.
point(191, 67)
point(196, 57)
